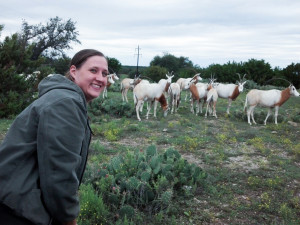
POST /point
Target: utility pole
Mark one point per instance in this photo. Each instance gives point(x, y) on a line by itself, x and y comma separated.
point(137, 64)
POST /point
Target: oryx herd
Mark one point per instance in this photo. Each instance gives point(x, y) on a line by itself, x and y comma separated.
point(168, 93)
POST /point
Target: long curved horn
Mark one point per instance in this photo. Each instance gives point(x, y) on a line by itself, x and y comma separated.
point(277, 78)
point(110, 69)
point(239, 76)
point(244, 76)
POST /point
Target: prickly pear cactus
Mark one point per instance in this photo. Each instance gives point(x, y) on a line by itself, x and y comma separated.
point(146, 180)
point(166, 197)
point(127, 211)
point(151, 151)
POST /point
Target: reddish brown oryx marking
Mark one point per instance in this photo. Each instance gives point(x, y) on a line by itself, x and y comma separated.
point(235, 93)
point(285, 95)
point(193, 89)
point(163, 102)
point(167, 87)
point(269, 99)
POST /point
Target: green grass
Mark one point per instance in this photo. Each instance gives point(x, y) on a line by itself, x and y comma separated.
point(254, 171)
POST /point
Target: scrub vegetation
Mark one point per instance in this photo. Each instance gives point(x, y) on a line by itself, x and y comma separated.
point(185, 169)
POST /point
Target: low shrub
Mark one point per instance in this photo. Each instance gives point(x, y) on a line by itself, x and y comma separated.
point(92, 208)
point(146, 181)
point(112, 107)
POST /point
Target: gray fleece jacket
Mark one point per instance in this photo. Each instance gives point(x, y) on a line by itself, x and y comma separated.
point(43, 156)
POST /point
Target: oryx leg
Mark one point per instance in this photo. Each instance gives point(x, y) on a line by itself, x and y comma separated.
point(214, 109)
point(125, 94)
point(104, 92)
point(207, 105)
point(137, 107)
point(269, 113)
point(155, 107)
point(173, 98)
point(192, 106)
point(148, 110)
point(251, 112)
point(123, 97)
point(197, 106)
point(229, 105)
point(276, 113)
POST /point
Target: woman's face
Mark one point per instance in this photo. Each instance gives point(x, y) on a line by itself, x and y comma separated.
point(91, 77)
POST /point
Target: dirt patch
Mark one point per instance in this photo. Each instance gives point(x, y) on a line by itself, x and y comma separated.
point(193, 159)
point(246, 163)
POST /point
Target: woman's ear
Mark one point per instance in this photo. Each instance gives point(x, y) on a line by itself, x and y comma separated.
point(73, 71)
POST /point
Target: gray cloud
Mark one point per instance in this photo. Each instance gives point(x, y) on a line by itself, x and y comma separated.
point(204, 31)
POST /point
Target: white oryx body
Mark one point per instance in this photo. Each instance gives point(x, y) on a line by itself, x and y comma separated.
point(199, 93)
point(164, 81)
point(111, 78)
point(230, 92)
point(126, 84)
point(150, 92)
point(212, 98)
point(184, 83)
point(174, 93)
point(269, 99)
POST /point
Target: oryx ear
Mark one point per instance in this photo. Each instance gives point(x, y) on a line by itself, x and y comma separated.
point(244, 82)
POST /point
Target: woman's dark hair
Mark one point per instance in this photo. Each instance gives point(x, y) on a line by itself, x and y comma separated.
point(80, 57)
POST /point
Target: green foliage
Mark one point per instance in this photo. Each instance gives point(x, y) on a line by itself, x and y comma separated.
point(146, 180)
point(113, 107)
point(114, 65)
point(15, 91)
point(92, 208)
point(175, 64)
point(21, 54)
point(59, 65)
point(292, 74)
point(155, 73)
point(111, 131)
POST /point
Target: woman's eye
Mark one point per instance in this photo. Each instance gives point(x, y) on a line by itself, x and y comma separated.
point(93, 70)
point(104, 74)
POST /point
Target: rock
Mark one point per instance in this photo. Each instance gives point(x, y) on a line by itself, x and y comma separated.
point(293, 123)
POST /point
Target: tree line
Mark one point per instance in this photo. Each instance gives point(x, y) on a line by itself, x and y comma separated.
point(42, 48)
point(258, 71)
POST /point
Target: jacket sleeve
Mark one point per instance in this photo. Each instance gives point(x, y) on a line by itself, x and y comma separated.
point(61, 132)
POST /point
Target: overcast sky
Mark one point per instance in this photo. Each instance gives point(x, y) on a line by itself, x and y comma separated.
point(207, 32)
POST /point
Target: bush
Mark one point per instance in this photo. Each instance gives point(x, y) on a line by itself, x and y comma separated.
point(111, 107)
point(146, 181)
point(92, 208)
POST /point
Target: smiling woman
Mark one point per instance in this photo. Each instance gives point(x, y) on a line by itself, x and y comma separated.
point(43, 156)
point(91, 76)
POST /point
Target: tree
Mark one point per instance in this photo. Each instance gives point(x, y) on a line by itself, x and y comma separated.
point(59, 65)
point(292, 74)
point(114, 65)
point(182, 66)
point(258, 71)
point(15, 90)
point(168, 61)
point(50, 40)
point(155, 73)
